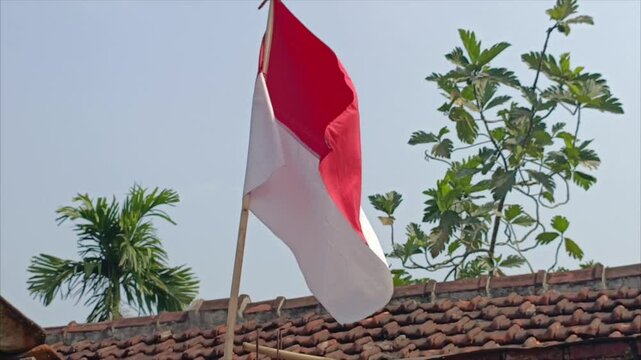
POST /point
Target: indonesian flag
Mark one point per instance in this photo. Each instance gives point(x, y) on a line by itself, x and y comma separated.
point(304, 170)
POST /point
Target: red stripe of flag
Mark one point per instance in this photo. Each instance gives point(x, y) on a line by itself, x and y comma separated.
point(314, 97)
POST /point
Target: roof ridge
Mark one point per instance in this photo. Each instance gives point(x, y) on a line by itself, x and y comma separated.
point(538, 280)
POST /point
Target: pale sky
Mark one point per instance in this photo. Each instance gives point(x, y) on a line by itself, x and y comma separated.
point(98, 95)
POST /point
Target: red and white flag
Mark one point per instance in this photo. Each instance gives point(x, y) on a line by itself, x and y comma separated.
point(304, 170)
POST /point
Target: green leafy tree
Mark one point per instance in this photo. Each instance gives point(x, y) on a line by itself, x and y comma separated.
point(508, 159)
point(120, 254)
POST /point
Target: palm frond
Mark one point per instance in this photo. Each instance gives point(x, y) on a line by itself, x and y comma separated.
point(121, 253)
point(52, 276)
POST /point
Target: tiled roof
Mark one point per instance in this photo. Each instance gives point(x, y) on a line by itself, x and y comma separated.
point(583, 314)
point(18, 333)
point(20, 337)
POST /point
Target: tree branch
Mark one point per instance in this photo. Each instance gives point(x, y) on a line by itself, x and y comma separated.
point(429, 157)
point(556, 254)
point(471, 146)
point(536, 80)
point(578, 123)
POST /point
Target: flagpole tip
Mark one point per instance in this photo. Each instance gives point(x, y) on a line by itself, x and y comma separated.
point(262, 3)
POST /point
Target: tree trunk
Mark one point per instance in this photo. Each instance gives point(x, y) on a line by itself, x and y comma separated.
point(115, 305)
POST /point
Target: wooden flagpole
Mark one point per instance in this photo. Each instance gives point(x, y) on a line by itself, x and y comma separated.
point(232, 307)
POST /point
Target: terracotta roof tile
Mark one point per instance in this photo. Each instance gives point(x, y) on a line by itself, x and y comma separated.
point(77, 355)
point(411, 327)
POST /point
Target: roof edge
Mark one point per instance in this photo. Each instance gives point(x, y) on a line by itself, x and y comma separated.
point(210, 313)
point(18, 333)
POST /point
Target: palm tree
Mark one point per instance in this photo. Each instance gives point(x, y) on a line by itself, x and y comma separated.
point(121, 254)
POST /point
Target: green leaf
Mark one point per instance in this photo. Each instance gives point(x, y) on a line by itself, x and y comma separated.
point(414, 232)
point(583, 180)
point(438, 238)
point(562, 9)
point(563, 28)
point(421, 137)
point(468, 93)
point(503, 76)
point(559, 94)
point(542, 137)
point(560, 72)
point(545, 238)
point(512, 261)
point(588, 158)
point(454, 245)
point(489, 54)
point(573, 249)
point(466, 127)
point(544, 179)
point(590, 90)
point(557, 127)
point(581, 19)
point(530, 95)
point(441, 234)
point(474, 268)
point(518, 120)
point(448, 82)
point(524, 220)
point(512, 211)
point(443, 149)
point(445, 107)
point(606, 103)
point(449, 220)
point(481, 186)
point(498, 133)
point(548, 196)
point(502, 183)
point(457, 57)
point(497, 101)
point(560, 223)
point(484, 91)
point(472, 47)
point(386, 203)
point(402, 277)
point(398, 251)
point(568, 138)
point(589, 264)
point(433, 77)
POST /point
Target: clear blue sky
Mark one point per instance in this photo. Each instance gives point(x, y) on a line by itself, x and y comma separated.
point(97, 95)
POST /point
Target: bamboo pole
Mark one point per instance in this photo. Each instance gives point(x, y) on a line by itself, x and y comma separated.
point(268, 37)
point(232, 307)
point(279, 354)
